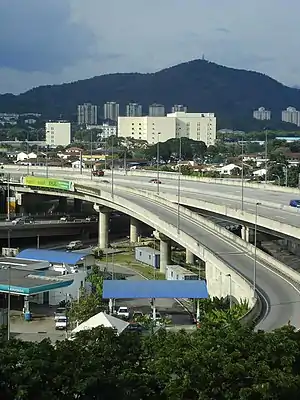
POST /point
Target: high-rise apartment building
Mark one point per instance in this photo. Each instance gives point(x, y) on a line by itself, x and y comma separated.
point(179, 108)
point(111, 111)
point(134, 110)
point(58, 133)
point(87, 113)
point(262, 114)
point(156, 110)
point(291, 115)
point(196, 126)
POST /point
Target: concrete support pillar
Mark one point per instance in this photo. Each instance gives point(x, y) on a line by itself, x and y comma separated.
point(165, 254)
point(245, 233)
point(63, 204)
point(189, 257)
point(103, 229)
point(134, 230)
point(77, 205)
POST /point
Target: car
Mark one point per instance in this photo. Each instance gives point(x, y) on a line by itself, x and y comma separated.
point(295, 203)
point(67, 218)
point(60, 312)
point(91, 218)
point(135, 327)
point(137, 314)
point(61, 323)
point(74, 245)
point(123, 312)
point(23, 220)
point(157, 181)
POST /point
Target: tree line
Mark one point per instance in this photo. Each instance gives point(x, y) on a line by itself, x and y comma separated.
point(214, 362)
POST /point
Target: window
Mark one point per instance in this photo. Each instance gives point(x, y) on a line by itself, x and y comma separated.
point(172, 274)
point(149, 256)
point(140, 254)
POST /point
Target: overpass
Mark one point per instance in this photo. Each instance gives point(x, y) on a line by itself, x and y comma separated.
point(224, 253)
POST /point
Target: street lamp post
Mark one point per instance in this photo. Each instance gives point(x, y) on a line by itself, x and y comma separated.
point(157, 162)
point(242, 176)
point(8, 305)
point(178, 187)
point(266, 157)
point(27, 150)
point(91, 153)
point(230, 291)
point(112, 166)
point(47, 169)
point(255, 248)
point(8, 198)
point(8, 239)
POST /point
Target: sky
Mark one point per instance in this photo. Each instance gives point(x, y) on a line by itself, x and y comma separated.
point(55, 41)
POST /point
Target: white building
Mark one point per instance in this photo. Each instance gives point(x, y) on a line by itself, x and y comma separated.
point(291, 115)
point(58, 133)
point(87, 113)
point(179, 108)
point(111, 111)
point(156, 110)
point(262, 114)
point(108, 130)
point(196, 126)
point(134, 110)
point(227, 169)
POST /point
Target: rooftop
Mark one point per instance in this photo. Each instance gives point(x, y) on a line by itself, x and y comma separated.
point(25, 282)
point(19, 263)
point(123, 289)
point(180, 270)
point(52, 256)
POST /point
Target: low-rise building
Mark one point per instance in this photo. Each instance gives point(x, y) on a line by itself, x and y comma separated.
point(176, 272)
point(148, 256)
point(229, 169)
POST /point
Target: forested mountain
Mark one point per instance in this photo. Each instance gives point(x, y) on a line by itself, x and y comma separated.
point(201, 85)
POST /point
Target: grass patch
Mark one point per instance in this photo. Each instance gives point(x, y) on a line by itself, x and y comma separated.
point(128, 260)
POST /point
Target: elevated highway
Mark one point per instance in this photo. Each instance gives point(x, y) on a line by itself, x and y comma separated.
point(223, 254)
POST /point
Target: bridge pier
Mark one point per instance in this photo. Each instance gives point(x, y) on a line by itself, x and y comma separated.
point(103, 226)
point(247, 234)
point(165, 254)
point(189, 257)
point(134, 230)
point(77, 205)
point(63, 204)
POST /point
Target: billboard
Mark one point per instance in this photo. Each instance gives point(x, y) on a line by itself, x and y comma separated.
point(47, 183)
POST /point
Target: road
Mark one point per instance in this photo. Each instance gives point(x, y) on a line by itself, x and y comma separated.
point(282, 295)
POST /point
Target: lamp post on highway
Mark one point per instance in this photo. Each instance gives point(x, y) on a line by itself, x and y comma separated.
point(242, 176)
point(47, 169)
point(91, 153)
point(230, 291)
point(112, 166)
point(157, 162)
point(8, 197)
point(266, 157)
point(27, 150)
point(255, 247)
point(178, 187)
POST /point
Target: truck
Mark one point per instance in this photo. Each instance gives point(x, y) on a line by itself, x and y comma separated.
point(60, 312)
point(98, 172)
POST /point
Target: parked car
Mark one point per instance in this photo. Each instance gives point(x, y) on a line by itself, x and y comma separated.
point(137, 314)
point(61, 323)
point(60, 312)
point(74, 245)
point(295, 203)
point(67, 218)
point(91, 218)
point(135, 327)
point(123, 312)
point(157, 181)
point(23, 220)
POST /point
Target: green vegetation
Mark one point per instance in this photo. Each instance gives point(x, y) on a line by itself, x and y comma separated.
point(222, 91)
point(218, 311)
point(211, 363)
point(127, 259)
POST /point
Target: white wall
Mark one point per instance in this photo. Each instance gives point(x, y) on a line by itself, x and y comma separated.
point(57, 295)
point(58, 133)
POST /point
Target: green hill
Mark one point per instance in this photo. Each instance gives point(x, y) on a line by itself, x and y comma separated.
point(201, 85)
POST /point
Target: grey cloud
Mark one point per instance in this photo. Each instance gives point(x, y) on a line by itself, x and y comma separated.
point(39, 35)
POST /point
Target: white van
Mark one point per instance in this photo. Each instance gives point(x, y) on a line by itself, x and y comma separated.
point(61, 323)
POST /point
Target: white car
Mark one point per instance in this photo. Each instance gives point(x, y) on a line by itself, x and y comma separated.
point(123, 312)
point(61, 323)
point(75, 245)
